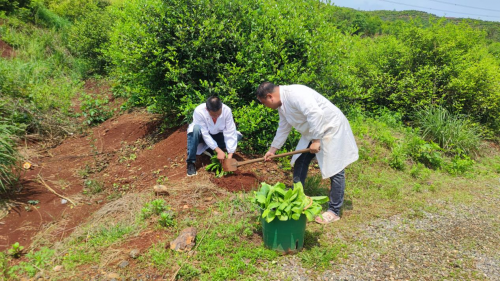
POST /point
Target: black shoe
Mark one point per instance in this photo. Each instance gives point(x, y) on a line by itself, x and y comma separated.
point(191, 170)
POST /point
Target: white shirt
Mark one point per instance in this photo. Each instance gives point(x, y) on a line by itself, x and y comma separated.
point(315, 117)
point(224, 124)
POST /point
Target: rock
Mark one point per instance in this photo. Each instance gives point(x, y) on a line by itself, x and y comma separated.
point(185, 207)
point(185, 241)
point(57, 268)
point(161, 189)
point(123, 264)
point(113, 276)
point(39, 275)
point(134, 253)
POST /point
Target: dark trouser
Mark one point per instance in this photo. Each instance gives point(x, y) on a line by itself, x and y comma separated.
point(194, 138)
point(337, 182)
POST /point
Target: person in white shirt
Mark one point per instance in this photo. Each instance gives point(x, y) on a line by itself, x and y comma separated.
point(212, 128)
point(323, 128)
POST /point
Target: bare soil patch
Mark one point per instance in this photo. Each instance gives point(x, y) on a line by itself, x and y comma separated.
point(125, 154)
point(6, 51)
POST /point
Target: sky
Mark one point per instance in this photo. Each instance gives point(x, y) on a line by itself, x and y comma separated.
point(488, 10)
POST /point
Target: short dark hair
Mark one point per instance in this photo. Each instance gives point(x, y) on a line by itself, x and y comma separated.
point(264, 89)
point(214, 104)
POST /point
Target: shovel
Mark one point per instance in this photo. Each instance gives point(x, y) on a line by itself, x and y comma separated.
point(231, 165)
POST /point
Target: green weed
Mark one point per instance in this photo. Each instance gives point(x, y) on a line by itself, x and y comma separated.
point(15, 250)
point(321, 256)
point(93, 186)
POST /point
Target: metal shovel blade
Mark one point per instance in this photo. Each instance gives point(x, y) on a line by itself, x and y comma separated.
point(230, 165)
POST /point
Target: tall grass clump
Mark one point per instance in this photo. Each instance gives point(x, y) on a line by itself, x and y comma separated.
point(8, 156)
point(454, 133)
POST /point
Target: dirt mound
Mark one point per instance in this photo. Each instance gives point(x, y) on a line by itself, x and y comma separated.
point(6, 51)
point(238, 181)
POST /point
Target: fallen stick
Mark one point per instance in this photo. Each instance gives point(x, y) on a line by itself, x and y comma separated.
point(53, 191)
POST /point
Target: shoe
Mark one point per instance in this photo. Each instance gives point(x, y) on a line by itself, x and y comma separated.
point(327, 217)
point(207, 153)
point(191, 170)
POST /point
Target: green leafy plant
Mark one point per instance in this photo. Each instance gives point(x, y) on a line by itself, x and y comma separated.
point(216, 166)
point(278, 202)
point(166, 219)
point(95, 109)
point(15, 250)
point(155, 207)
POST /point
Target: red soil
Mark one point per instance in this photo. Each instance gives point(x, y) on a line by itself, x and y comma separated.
point(102, 155)
point(6, 51)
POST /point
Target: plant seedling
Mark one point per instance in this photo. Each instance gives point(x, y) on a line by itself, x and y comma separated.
point(15, 250)
point(216, 166)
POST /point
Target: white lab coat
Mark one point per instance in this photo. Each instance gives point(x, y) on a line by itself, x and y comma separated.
point(315, 117)
point(224, 124)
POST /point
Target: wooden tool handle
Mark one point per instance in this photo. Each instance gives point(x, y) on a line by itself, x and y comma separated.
point(274, 156)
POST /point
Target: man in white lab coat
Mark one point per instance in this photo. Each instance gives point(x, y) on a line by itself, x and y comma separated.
point(212, 127)
point(324, 129)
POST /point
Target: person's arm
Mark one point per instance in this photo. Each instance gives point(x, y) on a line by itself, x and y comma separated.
point(230, 136)
point(282, 133)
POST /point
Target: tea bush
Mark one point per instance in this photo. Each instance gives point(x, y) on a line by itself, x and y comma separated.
point(444, 64)
point(258, 125)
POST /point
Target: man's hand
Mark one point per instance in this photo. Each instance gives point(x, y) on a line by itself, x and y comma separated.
point(315, 146)
point(271, 152)
point(220, 154)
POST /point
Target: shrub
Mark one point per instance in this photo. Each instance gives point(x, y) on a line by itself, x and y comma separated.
point(426, 153)
point(258, 124)
point(452, 132)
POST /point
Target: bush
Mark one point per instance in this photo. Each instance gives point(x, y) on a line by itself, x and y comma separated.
point(258, 125)
point(424, 152)
point(166, 52)
point(444, 64)
point(87, 38)
point(454, 133)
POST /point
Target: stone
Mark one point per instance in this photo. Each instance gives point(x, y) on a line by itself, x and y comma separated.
point(57, 268)
point(113, 276)
point(160, 189)
point(134, 253)
point(185, 241)
point(123, 264)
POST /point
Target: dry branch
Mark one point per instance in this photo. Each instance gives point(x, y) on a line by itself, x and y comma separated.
point(53, 191)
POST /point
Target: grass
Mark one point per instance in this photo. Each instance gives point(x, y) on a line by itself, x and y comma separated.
point(454, 133)
point(8, 156)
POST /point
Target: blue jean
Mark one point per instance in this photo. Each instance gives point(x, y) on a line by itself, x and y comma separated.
point(337, 181)
point(194, 138)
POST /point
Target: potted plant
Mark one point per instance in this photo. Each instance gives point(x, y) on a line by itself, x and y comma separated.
point(284, 215)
